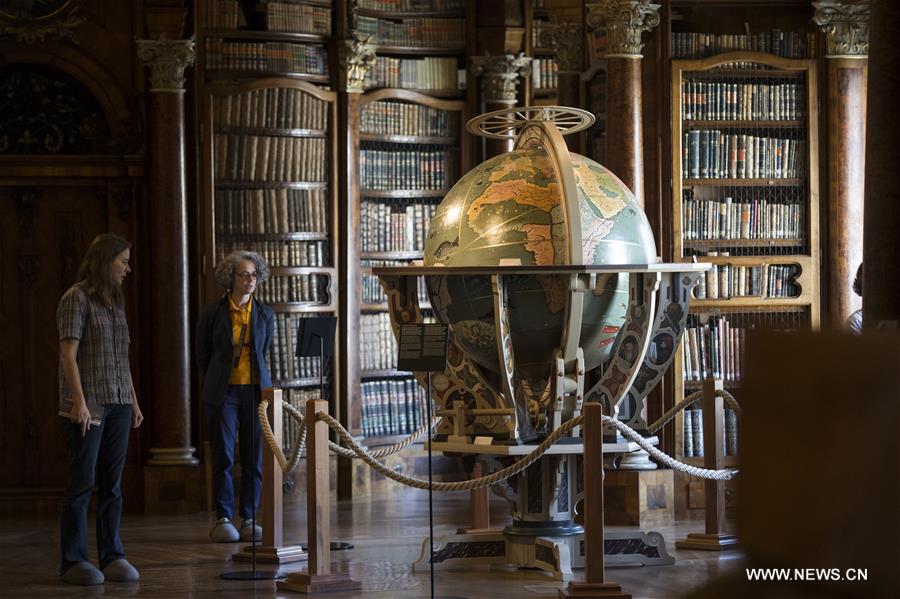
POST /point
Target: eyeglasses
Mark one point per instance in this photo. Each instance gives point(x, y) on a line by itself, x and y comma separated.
point(248, 275)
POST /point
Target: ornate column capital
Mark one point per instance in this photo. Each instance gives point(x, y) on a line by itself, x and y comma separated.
point(624, 22)
point(846, 27)
point(355, 58)
point(500, 74)
point(567, 40)
point(167, 60)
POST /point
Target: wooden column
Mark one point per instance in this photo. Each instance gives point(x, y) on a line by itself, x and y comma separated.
point(715, 538)
point(567, 40)
point(624, 22)
point(499, 80)
point(595, 584)
point(318, 578)
point(881, 242)
point(354, 59)
point(846, 33)
point(170, 418)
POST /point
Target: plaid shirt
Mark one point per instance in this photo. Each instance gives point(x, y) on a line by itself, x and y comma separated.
point(102, 350)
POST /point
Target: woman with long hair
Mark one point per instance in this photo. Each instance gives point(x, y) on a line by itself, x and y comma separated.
point(233, 336)
point(97, 398)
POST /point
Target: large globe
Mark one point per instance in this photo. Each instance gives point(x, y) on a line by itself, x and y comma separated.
point(512, 207)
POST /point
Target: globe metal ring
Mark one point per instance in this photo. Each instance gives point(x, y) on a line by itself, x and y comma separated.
point(507, 123)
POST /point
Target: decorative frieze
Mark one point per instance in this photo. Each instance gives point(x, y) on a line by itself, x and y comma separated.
point(846, 28)
point(624, 22)
point(567, 40)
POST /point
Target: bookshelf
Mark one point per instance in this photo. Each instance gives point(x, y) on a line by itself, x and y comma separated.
point(543, 84)
point(745, 198)
point(411, 152)
point(268, 127)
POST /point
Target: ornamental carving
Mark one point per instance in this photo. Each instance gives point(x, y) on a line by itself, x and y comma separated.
point(35, 21)
point(167, 60)
point(500, 75)
point(355, 58)
point(846, 27)
point(624, 22)
point(567, 40)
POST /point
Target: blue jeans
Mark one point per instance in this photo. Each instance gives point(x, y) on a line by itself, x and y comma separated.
point(229, 422)
point(99, 454)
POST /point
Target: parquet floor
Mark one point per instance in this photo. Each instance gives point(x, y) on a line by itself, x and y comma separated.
point(176, 559)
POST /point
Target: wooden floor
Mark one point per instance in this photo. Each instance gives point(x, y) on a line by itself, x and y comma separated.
point(176, 559)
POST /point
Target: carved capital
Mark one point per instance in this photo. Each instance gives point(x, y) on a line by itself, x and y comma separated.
point(567, 40)
point(167, 60)
point(846, 27)
point(500, 74)
point(355, 58)
point(624, 22)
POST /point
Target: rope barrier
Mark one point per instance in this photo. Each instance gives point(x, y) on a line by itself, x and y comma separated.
point(730, 401)
point(354, 450)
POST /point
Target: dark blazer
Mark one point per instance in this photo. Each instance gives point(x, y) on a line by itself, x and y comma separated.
point(215, 346)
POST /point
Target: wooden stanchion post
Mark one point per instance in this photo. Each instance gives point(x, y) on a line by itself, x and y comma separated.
point(318, 578)
point(595, 584)
point(481, 512)
point(714, 539)
point(272, 505)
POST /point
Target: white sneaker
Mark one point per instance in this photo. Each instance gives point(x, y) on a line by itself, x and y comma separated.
point(246, 527)
point(224, 532)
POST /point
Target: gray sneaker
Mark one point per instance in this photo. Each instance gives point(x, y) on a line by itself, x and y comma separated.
point(120, 570)
point(224, 532)
point(247, 526)
point(83, 574)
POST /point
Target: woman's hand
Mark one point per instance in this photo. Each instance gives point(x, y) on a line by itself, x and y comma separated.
point(81, 416)
point(136, 416)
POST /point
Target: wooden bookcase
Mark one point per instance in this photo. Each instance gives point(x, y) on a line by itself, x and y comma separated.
point(268, 126)
point(410, 155)
point(745, 193)
point(541, 87)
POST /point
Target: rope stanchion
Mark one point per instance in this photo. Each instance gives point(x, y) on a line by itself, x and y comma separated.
point(688, 401)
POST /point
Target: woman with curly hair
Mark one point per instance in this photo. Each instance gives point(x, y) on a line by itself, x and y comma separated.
point(233, 335)
point(97, 397)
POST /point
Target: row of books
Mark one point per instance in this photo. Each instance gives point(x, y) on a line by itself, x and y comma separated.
point(758, 218)
point(787, 44)
point(538, 28)
point(284, 365)
point(270, 108)
point(714, 348)
point(279, 57)
point(372, 292)
point(404, 118)
point(415, 167)
point(725, 281)
point(544, 73)
point(712, 154)
point(291, 429)
point(414, 73)
point(392, 407)
point(377, 344)
point(692, 433)
point(719, 100)
point(418, 32)
point(394, 227)
point(294, 288)
point(297, 18)
point(270, 158)
point(223, 14)
point(280, 253)
point(255, 211)
point(412, 5)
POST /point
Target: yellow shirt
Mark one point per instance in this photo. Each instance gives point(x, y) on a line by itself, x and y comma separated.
point(240, 317)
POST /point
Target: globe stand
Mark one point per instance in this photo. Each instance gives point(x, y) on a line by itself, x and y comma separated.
point(559, 211)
